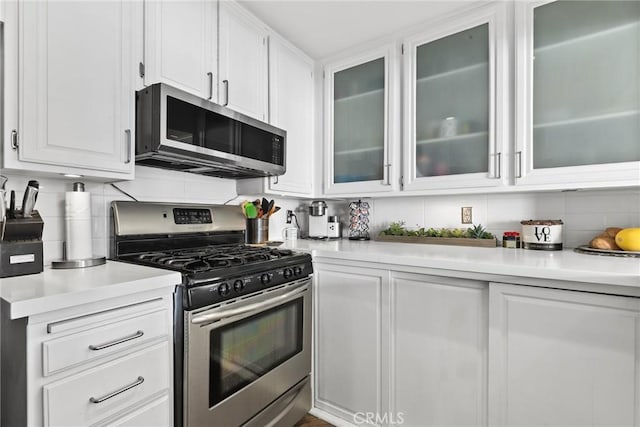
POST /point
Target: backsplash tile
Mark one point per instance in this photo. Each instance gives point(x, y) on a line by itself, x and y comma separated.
point(585, 213)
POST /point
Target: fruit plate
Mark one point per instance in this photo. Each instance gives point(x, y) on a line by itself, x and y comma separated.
point(584, 249)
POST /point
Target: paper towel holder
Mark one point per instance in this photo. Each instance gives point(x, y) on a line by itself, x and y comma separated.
point(76, 263)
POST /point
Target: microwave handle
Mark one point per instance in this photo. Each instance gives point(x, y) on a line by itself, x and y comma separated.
point(219, 315)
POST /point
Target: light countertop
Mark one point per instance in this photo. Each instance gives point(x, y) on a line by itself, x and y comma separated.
point(565, 265)
point(57, 289)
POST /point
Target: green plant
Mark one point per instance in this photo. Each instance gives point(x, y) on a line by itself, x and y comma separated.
point(478, 232)
point(397, 228)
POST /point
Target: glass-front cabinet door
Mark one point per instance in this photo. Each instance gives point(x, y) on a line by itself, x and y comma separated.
point(362, 144)
point(454, 103)
point(578, 91)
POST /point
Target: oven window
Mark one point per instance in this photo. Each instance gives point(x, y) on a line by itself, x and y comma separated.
point(243, 351)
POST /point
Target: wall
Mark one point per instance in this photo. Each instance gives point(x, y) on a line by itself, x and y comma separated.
point(585, 213)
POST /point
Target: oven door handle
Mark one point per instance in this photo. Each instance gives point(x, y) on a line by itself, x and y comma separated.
point(213, 317)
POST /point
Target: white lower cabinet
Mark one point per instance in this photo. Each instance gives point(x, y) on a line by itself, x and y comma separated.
point(400, 349)
point(101, 364)
point(562, 358)
point(350, 340)
point(438, 350)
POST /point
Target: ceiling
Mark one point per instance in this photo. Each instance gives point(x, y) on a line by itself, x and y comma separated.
point(325, 27)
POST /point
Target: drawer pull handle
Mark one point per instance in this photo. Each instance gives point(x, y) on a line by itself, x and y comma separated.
point(139, 381)
point(116, 342)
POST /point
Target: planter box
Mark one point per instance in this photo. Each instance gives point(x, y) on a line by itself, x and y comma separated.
point(453, 241)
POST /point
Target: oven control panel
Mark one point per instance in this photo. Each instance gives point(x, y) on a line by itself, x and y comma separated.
point(191, 216)
point(232, 287)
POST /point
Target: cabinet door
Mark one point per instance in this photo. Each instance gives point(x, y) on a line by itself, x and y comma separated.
point(350, 332)
point(578, 116)
point(76, 94)
point(180, 45)
point(562, 358)
point(291, 108)
point(456, 102)
point(243, 62)
point(439, 350)
point(360, 119)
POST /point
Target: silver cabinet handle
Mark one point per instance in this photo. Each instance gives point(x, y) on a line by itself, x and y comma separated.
point(210, 75)
point(519, 164)
point(498, 166)
point(387, 168)
point(276, 179)
point(226, 92)
point(116, 342)
point(213, 317)
point(127, 134)
point(14, 140)
point(136, 383)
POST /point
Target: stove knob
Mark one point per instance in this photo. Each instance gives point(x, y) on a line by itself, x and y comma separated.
point(238, 285)
point(265, 278)
point(223, 289)
point(287, 273)
point(297, 271)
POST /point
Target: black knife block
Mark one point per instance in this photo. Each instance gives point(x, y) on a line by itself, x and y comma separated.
point(21, 246)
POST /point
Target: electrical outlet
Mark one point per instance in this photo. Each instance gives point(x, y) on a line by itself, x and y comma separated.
point(289, 216)
point(466, 215)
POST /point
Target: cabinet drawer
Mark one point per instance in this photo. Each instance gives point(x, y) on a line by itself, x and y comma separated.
point(71, 350)
point(101, 392)
point(156, 413)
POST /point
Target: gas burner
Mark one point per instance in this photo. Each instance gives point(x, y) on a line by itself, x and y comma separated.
point(197, 266)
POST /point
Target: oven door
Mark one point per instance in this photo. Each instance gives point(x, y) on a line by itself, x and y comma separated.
point(242, 355)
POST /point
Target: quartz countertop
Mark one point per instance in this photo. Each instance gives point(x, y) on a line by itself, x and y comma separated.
point(61, 288)
point(565, 265)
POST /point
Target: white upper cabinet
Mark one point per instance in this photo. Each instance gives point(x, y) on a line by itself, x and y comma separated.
point(243, 77)
point(578, 94)
point(361, 132)
point(75, 92)
point(291, 102)
point(291, 108)
point(180, 45)
point(456, 102)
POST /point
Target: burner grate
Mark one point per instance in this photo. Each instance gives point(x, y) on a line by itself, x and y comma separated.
point(194, 260)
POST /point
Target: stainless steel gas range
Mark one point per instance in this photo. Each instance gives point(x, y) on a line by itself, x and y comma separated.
point(242, 314)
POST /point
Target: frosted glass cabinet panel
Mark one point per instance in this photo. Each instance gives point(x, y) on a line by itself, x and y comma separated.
point(452, 104)
point(580, 62)
point(358, 129)
point(454, 78)
point(360, 123)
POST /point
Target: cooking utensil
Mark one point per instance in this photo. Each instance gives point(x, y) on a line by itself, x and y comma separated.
point(269, 208)
point(251, 211)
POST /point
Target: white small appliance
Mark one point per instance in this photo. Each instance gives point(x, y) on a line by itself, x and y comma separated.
point(333, 227)
point(318, 219)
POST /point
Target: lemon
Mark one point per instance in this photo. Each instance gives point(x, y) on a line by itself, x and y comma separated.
point(629, 239)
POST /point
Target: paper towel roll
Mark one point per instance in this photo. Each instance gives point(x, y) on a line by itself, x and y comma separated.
point(77, 205)
point(78, 225)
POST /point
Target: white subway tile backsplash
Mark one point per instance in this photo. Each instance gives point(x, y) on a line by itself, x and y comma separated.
point(585, 213)
point(446, 211)
point(388, 210)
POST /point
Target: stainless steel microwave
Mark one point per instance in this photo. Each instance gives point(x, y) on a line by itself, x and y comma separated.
point(180, 131)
